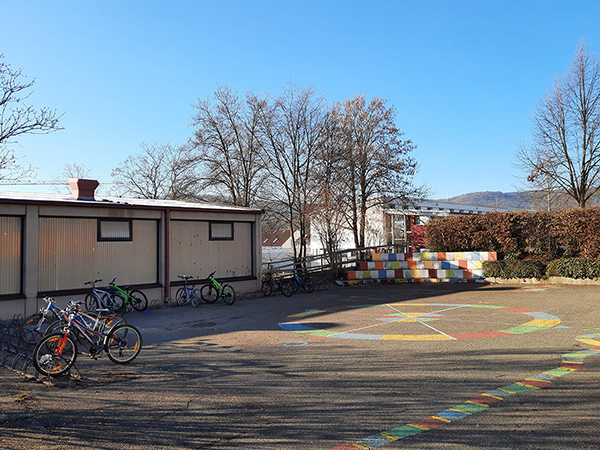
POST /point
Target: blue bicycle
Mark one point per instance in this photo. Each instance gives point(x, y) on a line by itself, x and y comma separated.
point(301, 281)
point(188, 293)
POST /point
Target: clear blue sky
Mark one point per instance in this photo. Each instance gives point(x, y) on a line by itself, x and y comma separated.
point(465, 76)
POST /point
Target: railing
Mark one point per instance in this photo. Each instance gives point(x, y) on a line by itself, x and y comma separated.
point(333, 262)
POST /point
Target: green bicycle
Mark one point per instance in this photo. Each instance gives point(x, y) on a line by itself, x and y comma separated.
point(134, 299)
point(212, 291)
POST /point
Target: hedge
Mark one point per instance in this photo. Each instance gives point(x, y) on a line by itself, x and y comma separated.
point(573, 232)
point(514, 269)
point(567, 267)
point(574, 268)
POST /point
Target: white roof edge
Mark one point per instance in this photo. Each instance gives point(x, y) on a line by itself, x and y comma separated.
point(118, 201)
point(441, 206)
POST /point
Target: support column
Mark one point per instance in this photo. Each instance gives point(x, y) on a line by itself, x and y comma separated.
point(166, 260)
point(31, 259)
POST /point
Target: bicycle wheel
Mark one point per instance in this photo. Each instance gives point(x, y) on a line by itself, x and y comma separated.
point(91, 302)
point(197, 298)
point(115, 303)
point(181, 296)
point(286, 288)
point(109, 323)
point(294, 283)
point(55, 327)
point(266, 288)
point(208, 293)
point(54, 354)
point(139, 300)
point(228, 294)
point(123, 344)
point(308, 285)
point(33, 328)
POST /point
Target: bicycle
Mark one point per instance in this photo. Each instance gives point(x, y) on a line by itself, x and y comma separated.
point(187, 293)
point(215, 289)
point(56, 353)
point(34, 326)
point(303, 282)
point(100, 299)
point(271, 284)
point(102, 320)
point(134, 299)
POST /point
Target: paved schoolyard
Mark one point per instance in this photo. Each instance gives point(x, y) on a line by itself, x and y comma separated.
point(391, 366)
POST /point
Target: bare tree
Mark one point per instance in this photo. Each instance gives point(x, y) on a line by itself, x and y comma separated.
point(291, 132)
point(328, 217)
point(162, 171)
point(377, 167)
point(10, 169)
point(17, 118)
point(565, 149)
point(70, 170)
point(228, 148)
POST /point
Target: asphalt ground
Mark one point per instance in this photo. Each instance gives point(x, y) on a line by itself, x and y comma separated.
point(341, 368)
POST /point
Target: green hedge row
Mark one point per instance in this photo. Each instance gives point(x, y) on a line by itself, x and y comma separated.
point(580, 268)
point(514, 269)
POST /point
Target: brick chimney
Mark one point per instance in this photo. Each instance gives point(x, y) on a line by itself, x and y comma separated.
point(83, 189)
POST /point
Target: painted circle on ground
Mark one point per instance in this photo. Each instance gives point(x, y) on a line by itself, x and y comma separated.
point(417, 321)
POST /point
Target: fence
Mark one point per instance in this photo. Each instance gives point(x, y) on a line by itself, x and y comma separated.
point(333, 262)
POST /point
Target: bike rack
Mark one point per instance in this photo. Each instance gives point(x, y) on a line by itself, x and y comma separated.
point(15, 354)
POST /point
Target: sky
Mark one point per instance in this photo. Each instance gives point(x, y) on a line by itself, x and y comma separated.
point(464, 76)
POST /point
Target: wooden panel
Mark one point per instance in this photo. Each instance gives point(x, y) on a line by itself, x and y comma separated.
point(193, 254)
point(10, 255)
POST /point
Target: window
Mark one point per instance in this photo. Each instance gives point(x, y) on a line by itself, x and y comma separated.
point(220, 231)
point(114, 230)
point(422, 220)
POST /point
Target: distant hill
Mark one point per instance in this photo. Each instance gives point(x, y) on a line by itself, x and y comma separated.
point(492, 198)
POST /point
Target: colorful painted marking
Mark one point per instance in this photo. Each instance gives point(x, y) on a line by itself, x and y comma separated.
point(571, 362)
point(540, 321)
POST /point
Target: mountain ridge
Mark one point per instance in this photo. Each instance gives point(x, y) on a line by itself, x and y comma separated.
point(498, 199)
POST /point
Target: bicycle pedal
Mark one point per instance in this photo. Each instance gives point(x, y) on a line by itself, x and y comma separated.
point(95, 353)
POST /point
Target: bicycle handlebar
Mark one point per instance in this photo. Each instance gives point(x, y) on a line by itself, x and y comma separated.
point(185, 277)
point(72, 306)
point(93, 282)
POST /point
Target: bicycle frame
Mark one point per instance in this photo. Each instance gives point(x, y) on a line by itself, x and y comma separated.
point(50, 308)
point(221, 290)
point(77, 322)
point(97, 293)
point(189, 290)
point(124, 293)
point(299, 280)
point(218, 286)
point(87, 320)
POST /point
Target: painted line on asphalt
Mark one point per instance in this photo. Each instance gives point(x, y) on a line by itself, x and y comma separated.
point(541, 321)
point(570, 363)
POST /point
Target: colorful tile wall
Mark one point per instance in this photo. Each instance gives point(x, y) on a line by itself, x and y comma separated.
point(428, 266)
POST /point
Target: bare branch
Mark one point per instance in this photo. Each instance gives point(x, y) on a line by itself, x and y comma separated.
point(18, 118)
point(565, 149)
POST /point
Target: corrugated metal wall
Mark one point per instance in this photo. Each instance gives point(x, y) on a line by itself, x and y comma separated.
point(10, 255)
point(193, 254)
point(70, 255)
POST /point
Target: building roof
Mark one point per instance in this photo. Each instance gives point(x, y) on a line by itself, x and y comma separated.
point(449, 208)
point(38, 198)
point(275, 238)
